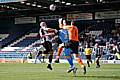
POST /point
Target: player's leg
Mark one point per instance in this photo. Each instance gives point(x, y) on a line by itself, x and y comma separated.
point(72, 67)
point(90, 60)
point(43, 57)
point(80, 63)
point(88, 57)
point(88, 63)
point(87, 60)
point(97, 62)
point(74, 47)
point(50, 60)
point(48, 47)
point(38, 56)
point(70, 61)
point(98, 56)
point(59, 51)
point(75, 71)
point(67, 53)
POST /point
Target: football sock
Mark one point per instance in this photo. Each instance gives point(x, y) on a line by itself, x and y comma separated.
point(97, 62)
point(50, 57)
point(43, 58)
point(70, 61)
point(88, 63)
point(59, 51)
point(80, 62)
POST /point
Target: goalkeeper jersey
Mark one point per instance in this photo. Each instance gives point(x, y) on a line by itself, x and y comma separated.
point(88, 51)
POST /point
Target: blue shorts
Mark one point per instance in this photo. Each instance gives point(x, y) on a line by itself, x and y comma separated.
point(67, 51)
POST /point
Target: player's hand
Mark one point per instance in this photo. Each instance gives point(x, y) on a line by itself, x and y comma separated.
point(60, 20)
point(56, 30)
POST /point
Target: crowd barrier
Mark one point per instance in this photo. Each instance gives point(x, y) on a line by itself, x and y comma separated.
point(84, 61)
point(22, 57)
point(13, 57)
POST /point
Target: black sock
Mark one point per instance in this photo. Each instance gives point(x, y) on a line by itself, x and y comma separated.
point(43, 58)
point(88, 63)
point(50, 58)
point(91, 61)
point(97, 62)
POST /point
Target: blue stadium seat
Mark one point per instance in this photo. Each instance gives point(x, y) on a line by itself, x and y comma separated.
point(26, 42)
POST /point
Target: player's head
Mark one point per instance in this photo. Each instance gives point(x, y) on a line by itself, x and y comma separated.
point(43, 25)
point(96, 45)
point(87, 45)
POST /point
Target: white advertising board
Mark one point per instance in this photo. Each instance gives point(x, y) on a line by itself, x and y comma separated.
point(107, 14)
point(80, 16)
point(25, 20)
point(49, 17)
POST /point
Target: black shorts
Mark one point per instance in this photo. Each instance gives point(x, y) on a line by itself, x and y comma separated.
point(88, 57)
point(59, 41)
point(74, 46)
point(98, 55)
point(48, 46)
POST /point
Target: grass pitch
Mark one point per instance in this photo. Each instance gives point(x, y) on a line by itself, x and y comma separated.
point(25, 71)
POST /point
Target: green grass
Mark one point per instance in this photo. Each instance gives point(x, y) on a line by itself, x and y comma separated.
point(39, 72)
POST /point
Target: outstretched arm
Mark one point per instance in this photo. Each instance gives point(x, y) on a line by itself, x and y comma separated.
point(60, 23)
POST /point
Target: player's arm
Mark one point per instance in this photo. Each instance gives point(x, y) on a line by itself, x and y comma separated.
point(51, 32)
point(67, 27)
point(60, 23)
point(40, 33)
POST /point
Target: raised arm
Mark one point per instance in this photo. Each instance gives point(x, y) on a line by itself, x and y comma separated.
point(60, 23)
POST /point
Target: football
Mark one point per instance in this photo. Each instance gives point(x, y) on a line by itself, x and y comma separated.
point(52, 7)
